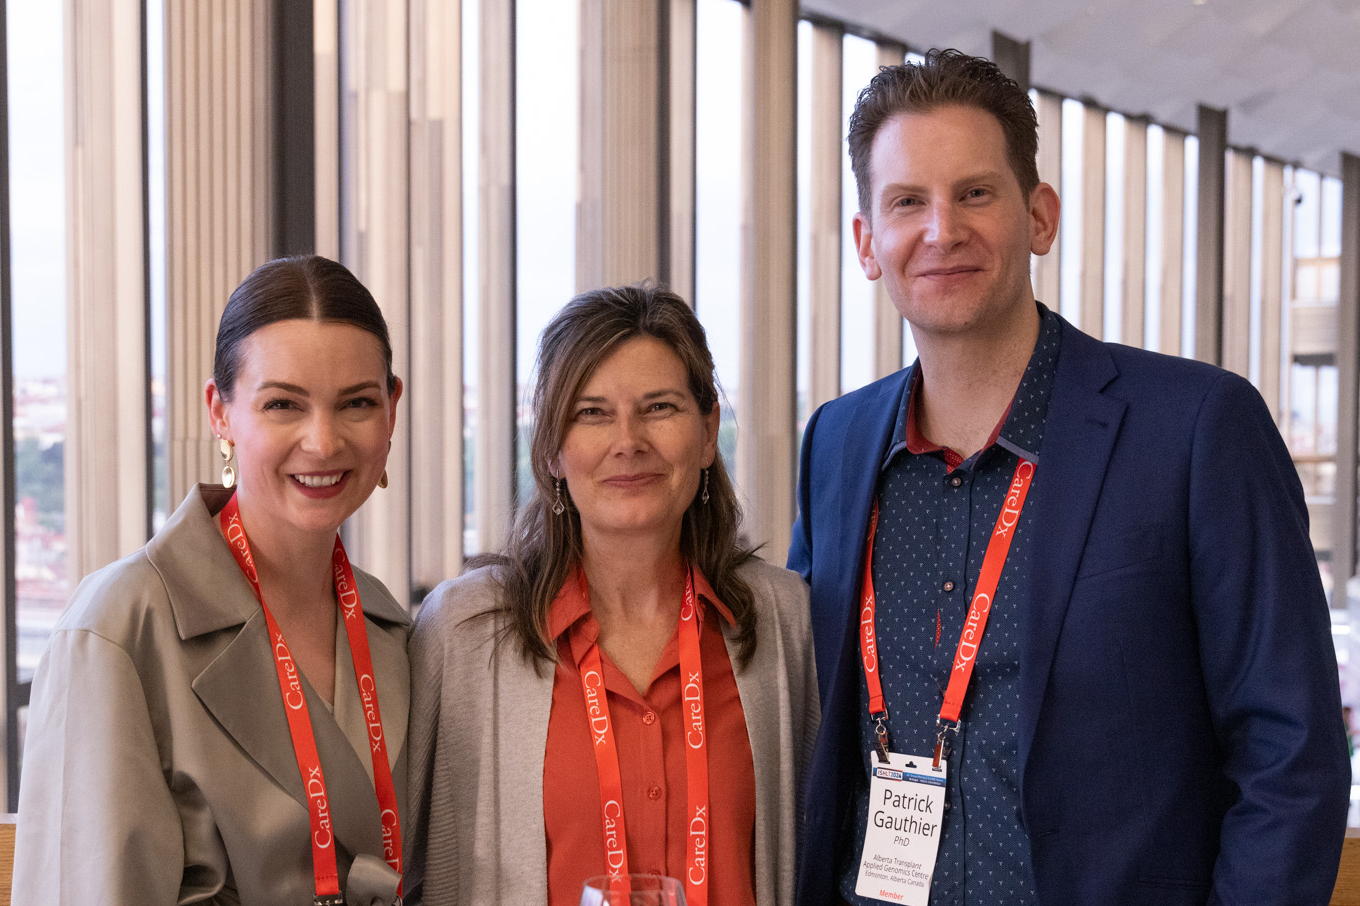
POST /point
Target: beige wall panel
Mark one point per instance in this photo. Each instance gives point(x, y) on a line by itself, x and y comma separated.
point(1134, 297)
point(1048, 268)
point(1173, 242)
point(679, 270)
point(374, 243)
point(495, 432)
point(618, 212)
point(1212, 127)
point(824, 268)
point(1093, 221)
point(887, 320)
point(768, 393)
point(106, 449)
point(1237, 265)
point(218, 144)
point(433, 404)
point(1272, 286)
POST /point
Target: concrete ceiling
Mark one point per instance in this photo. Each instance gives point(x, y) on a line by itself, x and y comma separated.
point(1287, 71)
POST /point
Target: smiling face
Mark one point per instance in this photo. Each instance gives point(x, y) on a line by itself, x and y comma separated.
point(311, 419)
point(634, 446)
point(949, 229)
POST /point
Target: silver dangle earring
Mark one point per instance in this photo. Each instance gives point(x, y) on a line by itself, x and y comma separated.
point(558, 506)
point(227, 450)
point(703, 496)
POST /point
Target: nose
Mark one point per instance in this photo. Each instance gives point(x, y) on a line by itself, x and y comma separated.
point(944, 226)
point(322, 436)
point(629, 436)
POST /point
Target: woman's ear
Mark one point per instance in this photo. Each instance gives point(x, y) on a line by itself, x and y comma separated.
point(217, 410)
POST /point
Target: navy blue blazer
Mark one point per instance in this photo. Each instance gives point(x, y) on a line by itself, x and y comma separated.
point(1180, 733)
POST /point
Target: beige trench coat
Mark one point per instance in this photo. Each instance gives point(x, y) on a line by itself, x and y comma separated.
point(158, 768)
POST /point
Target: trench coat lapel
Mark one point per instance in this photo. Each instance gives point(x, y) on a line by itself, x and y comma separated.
point(1079, 436)
point(238, 684)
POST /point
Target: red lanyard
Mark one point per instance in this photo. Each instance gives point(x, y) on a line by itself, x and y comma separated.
point(696, 757)
point(300, 722)
point(966, 656)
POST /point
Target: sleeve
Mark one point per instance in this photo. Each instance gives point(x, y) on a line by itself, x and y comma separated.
point(1268, 659)
point(97, 821)
point(426, 652)
point(800, 545)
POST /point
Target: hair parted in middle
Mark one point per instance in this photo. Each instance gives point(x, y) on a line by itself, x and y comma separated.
point(945, 78)
point(543, 548)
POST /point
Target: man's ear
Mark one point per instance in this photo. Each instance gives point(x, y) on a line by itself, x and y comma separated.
point(864, 246)
point(1044, 212)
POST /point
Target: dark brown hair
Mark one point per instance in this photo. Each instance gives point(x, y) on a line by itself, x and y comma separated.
point(304, 286)
point(944, 78)
point(543, 548)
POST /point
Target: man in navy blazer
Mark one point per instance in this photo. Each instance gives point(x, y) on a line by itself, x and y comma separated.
point(1155, 715)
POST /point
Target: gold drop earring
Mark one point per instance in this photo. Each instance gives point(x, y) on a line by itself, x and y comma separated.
point(228, 450)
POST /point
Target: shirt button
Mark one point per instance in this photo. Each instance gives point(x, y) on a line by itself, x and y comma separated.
point(946, 805)
point(948, 586)
point(955, 480)
point(654, 793)
point(649, 718)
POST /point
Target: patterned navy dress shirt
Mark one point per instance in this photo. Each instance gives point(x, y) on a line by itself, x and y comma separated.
point(934, 526)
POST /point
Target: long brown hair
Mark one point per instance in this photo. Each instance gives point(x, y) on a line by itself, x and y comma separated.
point(544, 548)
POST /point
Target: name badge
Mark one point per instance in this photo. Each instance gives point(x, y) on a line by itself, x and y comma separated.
point(906, 811)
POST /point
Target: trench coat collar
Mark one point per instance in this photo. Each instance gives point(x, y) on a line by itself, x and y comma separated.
point(239, 685)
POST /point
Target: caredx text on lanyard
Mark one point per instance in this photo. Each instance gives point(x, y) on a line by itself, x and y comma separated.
point(300, 721)
point(980, 607)
point(906, 794)
point(696, 756)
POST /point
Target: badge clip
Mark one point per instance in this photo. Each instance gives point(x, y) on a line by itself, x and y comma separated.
point(942, 738)
point(881, 734)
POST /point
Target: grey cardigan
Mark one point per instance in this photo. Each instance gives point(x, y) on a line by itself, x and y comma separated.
point(479, 727)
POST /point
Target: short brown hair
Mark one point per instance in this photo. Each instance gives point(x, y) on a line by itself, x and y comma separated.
point(944, 78)
point(544, 548)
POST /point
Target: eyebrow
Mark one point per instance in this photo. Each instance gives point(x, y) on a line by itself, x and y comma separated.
point(294, 388)
point(655, 394)
point(987, 176)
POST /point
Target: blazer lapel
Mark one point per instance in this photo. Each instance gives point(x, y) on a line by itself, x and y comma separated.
point(854, 476)
point(1079, 436)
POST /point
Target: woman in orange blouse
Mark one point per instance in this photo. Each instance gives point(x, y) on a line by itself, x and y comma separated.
point(625, 688)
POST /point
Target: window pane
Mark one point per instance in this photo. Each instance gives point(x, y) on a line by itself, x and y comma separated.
point(547, 143)
point(38, 277)
point(156, 173)
point(718, 195)
point(857, 293)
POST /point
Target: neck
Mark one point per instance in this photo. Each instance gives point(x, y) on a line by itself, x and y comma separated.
point(294, 569)
point(639, 581)
point(968, 381)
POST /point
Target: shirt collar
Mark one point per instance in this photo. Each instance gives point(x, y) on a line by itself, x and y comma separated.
point(1020, 429)
point(570, 610)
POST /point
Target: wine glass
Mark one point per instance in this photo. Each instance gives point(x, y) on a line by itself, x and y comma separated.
point(633, 890)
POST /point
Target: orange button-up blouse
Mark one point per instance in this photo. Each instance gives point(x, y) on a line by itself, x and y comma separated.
point(650, 736)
